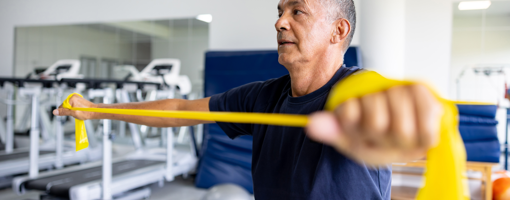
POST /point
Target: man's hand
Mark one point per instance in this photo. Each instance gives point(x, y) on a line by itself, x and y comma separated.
point(79, 102)
point(396, 125)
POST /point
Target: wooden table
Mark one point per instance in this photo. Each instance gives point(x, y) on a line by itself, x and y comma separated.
point(407, 193)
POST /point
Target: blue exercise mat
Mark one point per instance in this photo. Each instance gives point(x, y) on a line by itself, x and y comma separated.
point(488, 111)
point(483, 151)
point(473, 120)
point(478, 132)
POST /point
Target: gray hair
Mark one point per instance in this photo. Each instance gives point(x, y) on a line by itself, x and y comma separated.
point(338, 9)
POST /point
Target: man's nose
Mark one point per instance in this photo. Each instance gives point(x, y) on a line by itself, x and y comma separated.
point(282, 23)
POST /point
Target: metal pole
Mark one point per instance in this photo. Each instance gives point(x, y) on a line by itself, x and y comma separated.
point(59, 132)
point(169, 158)
point(107, 154)
point(170, 146)
point(506, 138)
point(135, 134)
point(34, 139)
point(9, 127)
point(122, 124)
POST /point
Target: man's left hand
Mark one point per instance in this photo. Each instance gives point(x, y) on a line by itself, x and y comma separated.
point(397, 125)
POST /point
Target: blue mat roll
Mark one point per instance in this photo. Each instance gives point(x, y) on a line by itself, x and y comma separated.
point(478, 132)
point(478, 110)
point(474, 120)
point(483, 151)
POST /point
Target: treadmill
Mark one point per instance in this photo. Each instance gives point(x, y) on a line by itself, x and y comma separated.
point(8, 129)
point(121, 178)
point(21, 160)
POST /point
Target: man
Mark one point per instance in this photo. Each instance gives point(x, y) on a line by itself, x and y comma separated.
point(360, 135)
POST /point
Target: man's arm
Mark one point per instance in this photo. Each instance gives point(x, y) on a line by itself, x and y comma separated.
point(166, 104)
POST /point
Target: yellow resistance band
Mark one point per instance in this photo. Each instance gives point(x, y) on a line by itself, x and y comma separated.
point(81, 133)
point(445, 176)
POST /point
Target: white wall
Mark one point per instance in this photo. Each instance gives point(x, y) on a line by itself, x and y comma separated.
point(382, 36)
point(408, 39)
point(43, 46)
point(428, 29)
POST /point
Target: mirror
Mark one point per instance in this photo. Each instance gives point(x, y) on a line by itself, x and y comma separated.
point(101, 46)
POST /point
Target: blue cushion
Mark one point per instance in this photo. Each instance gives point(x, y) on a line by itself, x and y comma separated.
point(352, 57)
point(478, 110)
point(224, 160)
point(473, 120)
point(478, 132)
point(483, 151)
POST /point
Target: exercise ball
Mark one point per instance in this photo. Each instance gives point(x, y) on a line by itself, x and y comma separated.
point(501, 186)
point(227, 192)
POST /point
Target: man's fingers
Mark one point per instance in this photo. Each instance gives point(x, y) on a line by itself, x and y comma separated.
point(323, 127)
point(349, 115)
point(428, 112)
point(375, 118)
point(403, 120)
point(62, 111)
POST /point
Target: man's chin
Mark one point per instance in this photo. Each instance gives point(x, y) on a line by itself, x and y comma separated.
point(284, 59)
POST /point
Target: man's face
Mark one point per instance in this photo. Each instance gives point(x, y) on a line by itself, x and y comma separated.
point(304, 32)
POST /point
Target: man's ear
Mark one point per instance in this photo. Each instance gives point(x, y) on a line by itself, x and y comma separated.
point(341, 30)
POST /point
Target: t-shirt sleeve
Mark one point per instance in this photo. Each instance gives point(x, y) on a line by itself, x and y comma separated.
point(239, 99)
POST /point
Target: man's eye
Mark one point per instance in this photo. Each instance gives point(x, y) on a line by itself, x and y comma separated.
point(297, 12)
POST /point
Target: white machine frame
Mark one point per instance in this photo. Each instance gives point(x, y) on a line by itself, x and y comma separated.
point(73, 71)
point(176, 163)
point(36, 161)
point(172, 78)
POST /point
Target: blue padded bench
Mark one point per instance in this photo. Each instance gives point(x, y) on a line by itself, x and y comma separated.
point(477, 126)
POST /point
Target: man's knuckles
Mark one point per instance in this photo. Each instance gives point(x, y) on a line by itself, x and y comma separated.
point(349, 114)
point(375, 115)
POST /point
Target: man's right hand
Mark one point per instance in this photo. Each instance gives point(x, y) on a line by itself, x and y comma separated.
point(79, 102)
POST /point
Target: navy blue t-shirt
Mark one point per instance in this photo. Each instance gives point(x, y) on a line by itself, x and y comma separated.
point(286, 164)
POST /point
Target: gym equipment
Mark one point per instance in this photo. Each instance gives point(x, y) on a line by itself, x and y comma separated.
point(477, 126)
point(484, 82)
point(119, 177)
point(446, 162)
point(52, 155)
point(59, 70)
point(7, 131)
point(165, 71)
point(352, 57)
point(227, 192)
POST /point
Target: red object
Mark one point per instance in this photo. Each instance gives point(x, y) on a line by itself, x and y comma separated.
point(501, 187)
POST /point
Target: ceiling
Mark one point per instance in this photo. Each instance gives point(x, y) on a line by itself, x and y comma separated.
point(498, 7)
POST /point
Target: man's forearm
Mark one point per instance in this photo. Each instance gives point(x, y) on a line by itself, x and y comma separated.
point(166, 104)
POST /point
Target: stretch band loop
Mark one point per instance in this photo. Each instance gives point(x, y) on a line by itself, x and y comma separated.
point(81, 139)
